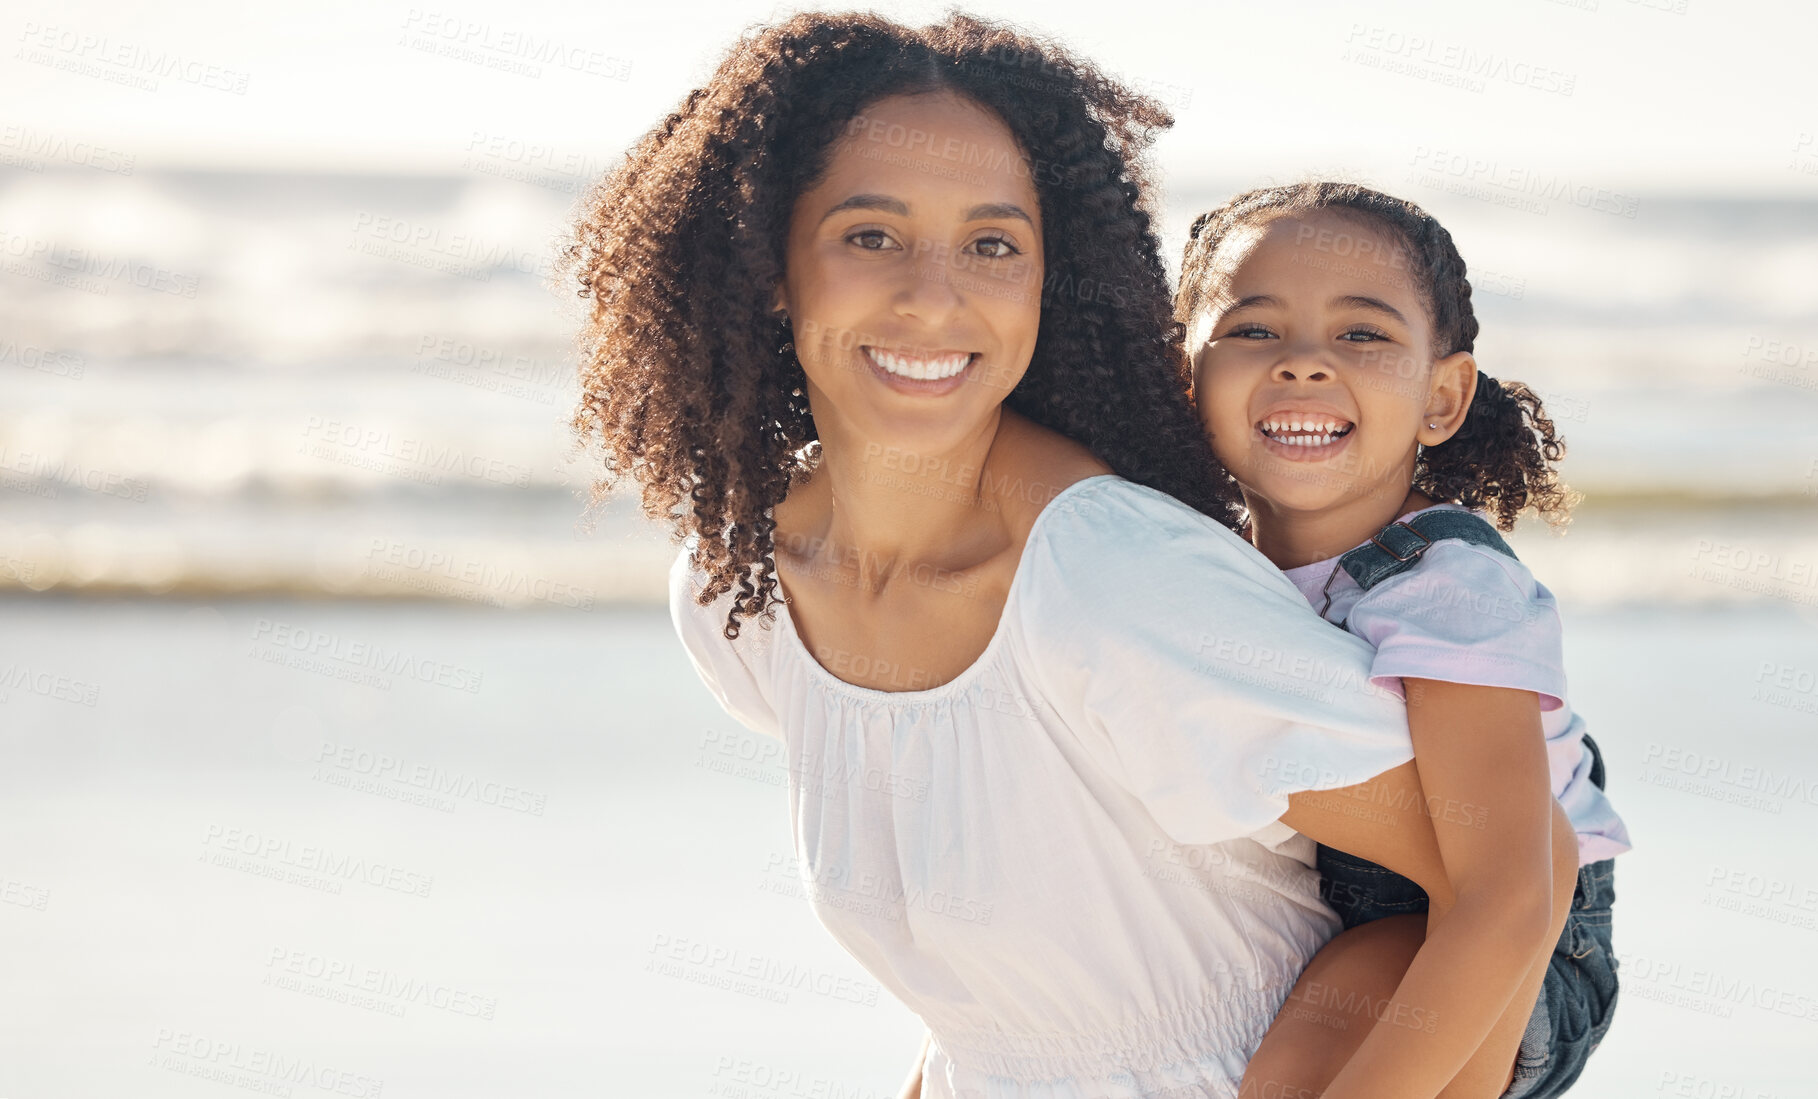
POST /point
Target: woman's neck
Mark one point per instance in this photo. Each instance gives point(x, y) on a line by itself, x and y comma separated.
point(1291, 539)
point(878, 509)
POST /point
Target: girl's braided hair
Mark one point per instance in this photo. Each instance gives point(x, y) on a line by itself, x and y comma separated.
point(1502, 459)
point(690, 383)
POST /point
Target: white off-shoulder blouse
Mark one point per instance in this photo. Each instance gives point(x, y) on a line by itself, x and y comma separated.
point(1068, 860)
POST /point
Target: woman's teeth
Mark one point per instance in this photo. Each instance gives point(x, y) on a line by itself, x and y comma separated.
point(1305, 430)
point(930, 369)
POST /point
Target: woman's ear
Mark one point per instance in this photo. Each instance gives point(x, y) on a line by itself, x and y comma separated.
point(1453, 385)
point(779, 302)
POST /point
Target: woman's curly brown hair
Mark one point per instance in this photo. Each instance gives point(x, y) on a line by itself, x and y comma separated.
point(690, 382)
point(1502, 459)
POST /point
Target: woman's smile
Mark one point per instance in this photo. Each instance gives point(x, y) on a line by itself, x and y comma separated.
point(925, 375)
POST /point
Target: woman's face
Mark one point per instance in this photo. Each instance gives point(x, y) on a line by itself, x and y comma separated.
point(913, 275)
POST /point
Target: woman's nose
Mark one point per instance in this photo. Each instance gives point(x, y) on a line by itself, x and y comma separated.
point(928, 293)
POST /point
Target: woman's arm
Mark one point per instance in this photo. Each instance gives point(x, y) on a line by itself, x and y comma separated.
point(1481, 766)
point(912, 1088)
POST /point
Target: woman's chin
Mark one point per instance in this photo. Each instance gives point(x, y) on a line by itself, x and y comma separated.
point(893, 436)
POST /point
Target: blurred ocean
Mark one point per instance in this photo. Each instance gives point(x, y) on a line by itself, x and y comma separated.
point(279, 384)
point(338, 758)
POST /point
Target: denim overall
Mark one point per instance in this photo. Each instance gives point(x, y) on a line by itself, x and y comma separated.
point(1578, 999)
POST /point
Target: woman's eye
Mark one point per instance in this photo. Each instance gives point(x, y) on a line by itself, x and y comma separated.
point(996, 248)
point(871, 240)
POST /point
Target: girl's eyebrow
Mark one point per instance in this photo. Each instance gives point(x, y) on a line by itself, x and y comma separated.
point(1357, 301)
point(1253, 299)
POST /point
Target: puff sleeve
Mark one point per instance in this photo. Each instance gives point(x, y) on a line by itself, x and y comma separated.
point(1193, 669)
point(1465, 614)
point(734, 671)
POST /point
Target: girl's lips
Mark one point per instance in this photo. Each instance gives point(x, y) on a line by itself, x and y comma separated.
point(920, 387)
point(1293, 453)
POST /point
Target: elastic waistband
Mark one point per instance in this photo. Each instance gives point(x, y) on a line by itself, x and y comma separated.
point(1227, 1022)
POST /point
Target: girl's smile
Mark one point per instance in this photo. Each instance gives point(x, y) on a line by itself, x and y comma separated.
point(1304, 433)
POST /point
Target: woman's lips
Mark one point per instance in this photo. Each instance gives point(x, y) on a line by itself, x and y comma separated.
point(923, 387)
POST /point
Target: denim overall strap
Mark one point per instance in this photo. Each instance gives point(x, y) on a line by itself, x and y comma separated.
point(1398, 546)
point(1596, 761)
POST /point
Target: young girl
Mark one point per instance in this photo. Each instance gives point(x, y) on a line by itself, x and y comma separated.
point(1331, 330)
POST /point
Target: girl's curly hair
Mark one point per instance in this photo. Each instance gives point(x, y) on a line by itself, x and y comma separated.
point(690, 382)
point(1502, 459)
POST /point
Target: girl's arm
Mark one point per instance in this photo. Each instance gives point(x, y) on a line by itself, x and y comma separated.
point(1481, 761)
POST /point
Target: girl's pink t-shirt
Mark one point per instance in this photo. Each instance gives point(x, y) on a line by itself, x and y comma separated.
point(1468, 614)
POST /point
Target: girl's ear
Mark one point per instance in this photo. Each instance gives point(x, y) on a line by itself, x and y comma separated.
point(1453, 385)
point(779, 302)
point(1196, 360)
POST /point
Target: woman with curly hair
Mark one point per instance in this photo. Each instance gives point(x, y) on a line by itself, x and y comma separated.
point(879, 325)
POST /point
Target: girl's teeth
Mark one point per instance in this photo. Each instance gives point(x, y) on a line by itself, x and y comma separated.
point(1303, 432)
point(942, 366)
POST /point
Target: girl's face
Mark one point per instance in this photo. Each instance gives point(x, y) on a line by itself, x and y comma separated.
point(1313, 366)
point(913, 274)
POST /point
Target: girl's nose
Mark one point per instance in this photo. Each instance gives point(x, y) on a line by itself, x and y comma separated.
point(1300, 366)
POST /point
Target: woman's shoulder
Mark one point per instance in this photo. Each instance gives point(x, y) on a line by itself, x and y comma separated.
point(1118, 522)
point(1037, 475)
point(1189, 665)
point(1030, 466)
point(1109, 552)
point(735, 672)
point(701, 626)
point(689, 615)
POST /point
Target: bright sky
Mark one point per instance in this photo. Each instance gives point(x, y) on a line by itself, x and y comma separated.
point(1640, 96)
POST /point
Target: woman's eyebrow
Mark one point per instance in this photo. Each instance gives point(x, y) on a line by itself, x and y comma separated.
point(1358, 301)
point(881, 203)
point(991, 210)
point(885, 204)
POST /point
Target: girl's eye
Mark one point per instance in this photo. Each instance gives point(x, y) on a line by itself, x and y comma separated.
point(1250, 332)
point(871, 240)
point(1369, 335)
point(997, 248)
